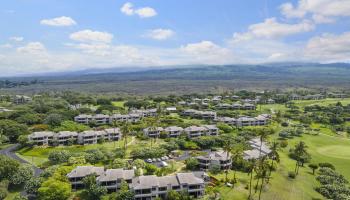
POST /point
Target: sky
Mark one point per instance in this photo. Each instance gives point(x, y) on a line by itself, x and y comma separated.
point(39, 36)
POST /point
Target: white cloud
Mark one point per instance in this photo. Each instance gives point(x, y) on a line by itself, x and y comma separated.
point(100, 49)
point(6, 46)
point(32, 48)
point(92, 36)
point(58, 21)
point(16, 39)
point(329, 47)
point(144, 12)
point(207, 52)
point(127, 9)
point(271, 29)
point(320, 19)
point(160, 34)
point(321, 10)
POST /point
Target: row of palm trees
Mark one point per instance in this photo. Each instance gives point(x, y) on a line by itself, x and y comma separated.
point(262, 167)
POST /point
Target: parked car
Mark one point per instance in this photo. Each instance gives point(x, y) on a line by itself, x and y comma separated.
point(149, 160)
point(163, 164)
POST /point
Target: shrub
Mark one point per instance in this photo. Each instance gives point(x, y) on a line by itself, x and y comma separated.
point(284, 143)
point(291, 174)
point(284, 124)
point(57, 157)
point(191, 163)
point(328, 165)
point(3, 193)
point(215, 169)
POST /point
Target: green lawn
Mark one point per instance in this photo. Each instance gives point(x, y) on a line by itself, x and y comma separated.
point(324, 148)
point(280, 187)
point(119, 103)
point(322, 102)
point(39, 155)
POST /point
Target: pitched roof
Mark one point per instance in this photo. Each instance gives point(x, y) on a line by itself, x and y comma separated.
point(188, 178)
point(115, 174)
point(82, 171)
point(42, 134)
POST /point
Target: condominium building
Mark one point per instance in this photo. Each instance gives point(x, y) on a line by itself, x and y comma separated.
point(211, 130)
point(208, 115)
point(83, 118)
point(87, 137)
point(219, 158)
point(259, 149)
point(152, 187)
point(113, 134)
point(144, 187)
point(152, 132)
point(146, 113)
point(195, 131)
point(41, 138)
point(76, 175)
point(174, 131)
point(112, 178)
point(260, 120)
point(205, 130)
point(63, 137)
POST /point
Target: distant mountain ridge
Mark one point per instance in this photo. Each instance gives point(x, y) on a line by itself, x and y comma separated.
point(196, 78)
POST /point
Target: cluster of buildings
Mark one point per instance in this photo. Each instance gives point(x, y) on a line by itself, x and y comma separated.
point(175, 131)
point(237, 106)
point(133, 116)
point(208, 115)
point(69, 137)
point(21, 99)
point(144, 187)
point(260, 120)
point(259, 149)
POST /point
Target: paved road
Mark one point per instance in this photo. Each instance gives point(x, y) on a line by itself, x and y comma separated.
point(9, 152)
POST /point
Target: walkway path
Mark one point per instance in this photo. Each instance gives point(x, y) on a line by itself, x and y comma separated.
point(9, 152)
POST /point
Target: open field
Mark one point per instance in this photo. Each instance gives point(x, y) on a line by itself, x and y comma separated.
point(322, 102)
point(39, 155)
point(119, 103)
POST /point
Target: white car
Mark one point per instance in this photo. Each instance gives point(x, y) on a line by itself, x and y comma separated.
point(149, 160)
point(163, 164)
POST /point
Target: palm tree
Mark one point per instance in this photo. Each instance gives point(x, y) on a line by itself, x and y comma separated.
point(274, 155)
point(236, 154)
point(114, 127)
point(227, 147)
point(299, 153)
point(152, 127)
point(125, 130)
point(251, 167)
point(263, 133)
point(263, 169)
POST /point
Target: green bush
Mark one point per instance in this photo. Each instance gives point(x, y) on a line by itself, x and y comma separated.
point(328, 165)
point(291, 174)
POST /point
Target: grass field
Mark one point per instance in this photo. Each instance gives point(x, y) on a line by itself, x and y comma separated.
point(322, 102)
point(39, 155)
point(303, 103)
point(119, 103)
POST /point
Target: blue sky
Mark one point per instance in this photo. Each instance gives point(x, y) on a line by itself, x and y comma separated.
point(61, 35)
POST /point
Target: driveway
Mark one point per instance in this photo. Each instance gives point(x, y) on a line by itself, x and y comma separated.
point(9, 152)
